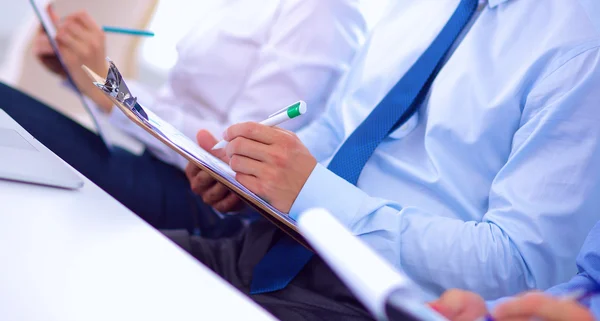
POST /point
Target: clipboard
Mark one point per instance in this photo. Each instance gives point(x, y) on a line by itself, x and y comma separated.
point(50, 31)
point(116, 89)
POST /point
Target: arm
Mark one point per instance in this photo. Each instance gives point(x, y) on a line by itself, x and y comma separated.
point(549, 181)
point(459, 305)
point(582, 281)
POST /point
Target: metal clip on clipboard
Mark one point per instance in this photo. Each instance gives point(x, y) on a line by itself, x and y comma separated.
point(116, 87)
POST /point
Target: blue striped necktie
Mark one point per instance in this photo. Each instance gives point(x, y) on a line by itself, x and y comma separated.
point(287, 258)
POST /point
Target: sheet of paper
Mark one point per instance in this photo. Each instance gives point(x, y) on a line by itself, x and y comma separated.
point(170, 133)
point(367, 274)
point(39, 7)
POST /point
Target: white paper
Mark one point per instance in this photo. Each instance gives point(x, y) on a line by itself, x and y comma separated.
point(368, 276)
point(39, 7)
point(170, 133)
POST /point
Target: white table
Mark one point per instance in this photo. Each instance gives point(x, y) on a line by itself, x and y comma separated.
point(80, 255)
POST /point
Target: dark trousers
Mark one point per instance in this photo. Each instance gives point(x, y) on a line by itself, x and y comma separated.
point(159, 193)
point(315, 294)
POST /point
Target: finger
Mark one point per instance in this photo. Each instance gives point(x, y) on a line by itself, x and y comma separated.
point(524, 306)
point(229, 203)
point(53, 64)
point(86, 21)
point(250, 182)
point(52, 14)
point(42, 46)
point(202, 182)
point(245, 165)
point(563, 310)
point(66, 40)
point(454, 302)
point(76, 30)
point(532, 292)
point(255, 131)
point(440, 308)
point(191, 170)
point(249, 148)
point(215, 194)
point(207, 141)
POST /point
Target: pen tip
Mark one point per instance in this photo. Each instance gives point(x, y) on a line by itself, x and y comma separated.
point(220, 145)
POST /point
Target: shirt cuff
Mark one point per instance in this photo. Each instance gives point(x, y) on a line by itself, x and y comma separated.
point(344, 204)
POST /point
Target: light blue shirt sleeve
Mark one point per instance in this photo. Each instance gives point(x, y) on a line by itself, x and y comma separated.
point(581, 281)
point(323, 136)
point(547, 184)
point(588, 262)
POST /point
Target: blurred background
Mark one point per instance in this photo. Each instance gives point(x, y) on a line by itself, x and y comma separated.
point(147, 60)
point(153, 56)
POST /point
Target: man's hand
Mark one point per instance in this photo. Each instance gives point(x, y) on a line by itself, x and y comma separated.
point(43, 50)
point(539, 306)
point(212, 192)
point(458, 305)
point(271, 162)
point(82, 37)
point(82, 42)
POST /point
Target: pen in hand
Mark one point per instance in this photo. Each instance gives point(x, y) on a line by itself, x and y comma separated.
point(277, 118)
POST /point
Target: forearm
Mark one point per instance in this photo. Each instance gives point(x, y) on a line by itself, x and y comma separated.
point(435, 250)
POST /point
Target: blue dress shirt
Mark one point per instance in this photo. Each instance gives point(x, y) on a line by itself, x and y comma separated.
point(497, 177)
point(588, 278)
point(588, 263)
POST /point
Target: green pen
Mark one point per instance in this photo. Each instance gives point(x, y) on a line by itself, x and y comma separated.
point(127, 31)
point(277, 118)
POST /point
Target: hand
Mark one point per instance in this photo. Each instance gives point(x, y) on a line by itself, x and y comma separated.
point(43, 50)
point(539, 306)
point(82, 42)
point(213, 193)
point(459, 305)
point(271, 162)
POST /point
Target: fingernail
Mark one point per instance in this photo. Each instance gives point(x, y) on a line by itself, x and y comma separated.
point(443, 310)
point(436, 307)
point(225, 135)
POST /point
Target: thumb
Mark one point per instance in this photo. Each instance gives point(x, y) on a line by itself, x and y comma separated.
point(53, 16)
point(440, 308)
point(207, 141)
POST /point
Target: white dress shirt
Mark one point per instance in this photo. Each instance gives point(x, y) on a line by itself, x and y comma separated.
point(493, 185)
point(245, 60)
